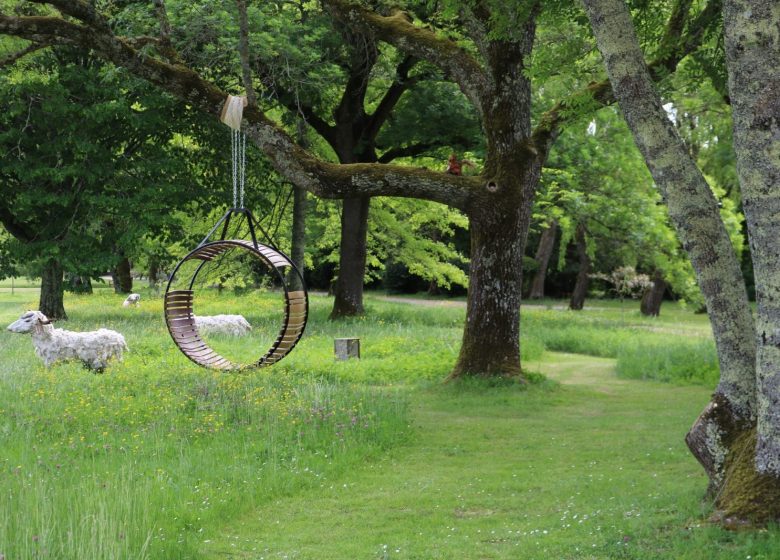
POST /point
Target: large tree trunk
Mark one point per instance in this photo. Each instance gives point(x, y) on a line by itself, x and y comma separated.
point(500, 215)
point(542, 258)
point(653, 296)
point(348, 292)
point(52, 291)
point(122, 278)
point(577, 301)
point(752, 58)
point(491, 337)
point(298, 248)
point(694, 213)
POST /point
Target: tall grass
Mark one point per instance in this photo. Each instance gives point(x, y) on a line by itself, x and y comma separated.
point(678, 361)
point(147, 459)
point(679, 352)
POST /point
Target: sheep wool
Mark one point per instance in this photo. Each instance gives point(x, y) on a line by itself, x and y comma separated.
point(232, 325)
point(132, 299)
point(95, 348)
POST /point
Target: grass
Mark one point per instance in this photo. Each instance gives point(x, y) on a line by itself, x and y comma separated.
point(375, 458)
point(592, 469)
point(147, 459)
point(677, 348)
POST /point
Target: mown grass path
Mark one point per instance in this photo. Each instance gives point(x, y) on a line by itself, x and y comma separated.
point(596, 468)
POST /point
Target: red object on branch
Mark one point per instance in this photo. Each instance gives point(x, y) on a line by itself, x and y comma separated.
point(455, 166)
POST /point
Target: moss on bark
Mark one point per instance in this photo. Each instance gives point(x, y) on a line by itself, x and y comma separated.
point(748, 498)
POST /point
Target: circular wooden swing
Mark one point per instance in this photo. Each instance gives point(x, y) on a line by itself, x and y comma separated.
point(179, 316)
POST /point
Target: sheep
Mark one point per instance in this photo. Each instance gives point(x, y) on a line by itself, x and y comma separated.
point(132, 299)
point(95, 349)
point(233, 325)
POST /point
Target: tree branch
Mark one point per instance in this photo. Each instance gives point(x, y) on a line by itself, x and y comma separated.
point(164, 45)
point(393, 94)
point(399, 31)
point(362, 58)
point(142, 41)
point(475, 18)
point(676, 48)
point(419, 148)
point(674, 27)
point(243, 51)
point(324, 179)
point(80, 10)
point(292, 102)
point(411, 150)
point(12, 58)
point(15, 228)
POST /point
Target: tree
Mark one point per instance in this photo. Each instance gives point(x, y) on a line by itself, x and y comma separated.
point(87, 172)
point(752, 57)
point(542, 258)
point(596, 185)
point(735, 438)
point(352, 122)
point(494, 78)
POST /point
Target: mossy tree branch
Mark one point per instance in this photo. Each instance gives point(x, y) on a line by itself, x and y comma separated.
point(293, 162)
point(398, 30)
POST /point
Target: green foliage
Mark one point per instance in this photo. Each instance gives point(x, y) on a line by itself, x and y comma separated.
point(415, 233)
point(437, 116)
point(87, 171)
point(596, 177)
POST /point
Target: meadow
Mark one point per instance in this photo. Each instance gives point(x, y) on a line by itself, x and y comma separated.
point(159, 459)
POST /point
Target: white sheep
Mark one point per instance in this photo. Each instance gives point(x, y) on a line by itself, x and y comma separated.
point(132, 299)
point(233, 325)
point(95, 349)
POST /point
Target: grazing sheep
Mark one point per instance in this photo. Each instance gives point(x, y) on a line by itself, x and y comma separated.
point(233, 325)
point(132, 299)
point(95, 349)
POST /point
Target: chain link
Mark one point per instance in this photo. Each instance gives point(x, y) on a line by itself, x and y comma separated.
point(238, 151)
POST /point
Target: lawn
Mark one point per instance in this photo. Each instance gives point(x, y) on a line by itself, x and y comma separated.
point(157, 458)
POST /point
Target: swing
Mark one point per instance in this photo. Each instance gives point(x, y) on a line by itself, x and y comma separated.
point(178, 303)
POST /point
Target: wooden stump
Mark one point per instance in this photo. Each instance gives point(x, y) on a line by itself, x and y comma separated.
point(346, 348)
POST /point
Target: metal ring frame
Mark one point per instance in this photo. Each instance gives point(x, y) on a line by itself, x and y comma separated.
point(179, 316)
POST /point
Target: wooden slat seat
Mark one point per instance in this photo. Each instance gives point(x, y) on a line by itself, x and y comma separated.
point(180, 319)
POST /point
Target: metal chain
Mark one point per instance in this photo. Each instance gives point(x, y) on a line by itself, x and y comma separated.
point(238, 151)
point(233, 140)
point(243, 167)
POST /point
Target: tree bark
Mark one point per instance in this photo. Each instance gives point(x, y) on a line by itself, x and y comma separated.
point(583, 274)
point(153, 272)
point(491, 337)
point(348, 291)
point(51, 301)
point(122, 278)
point(298, 249)
point(653, 296)
point(694, 213)
point(751, 30)
point(542, 258)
